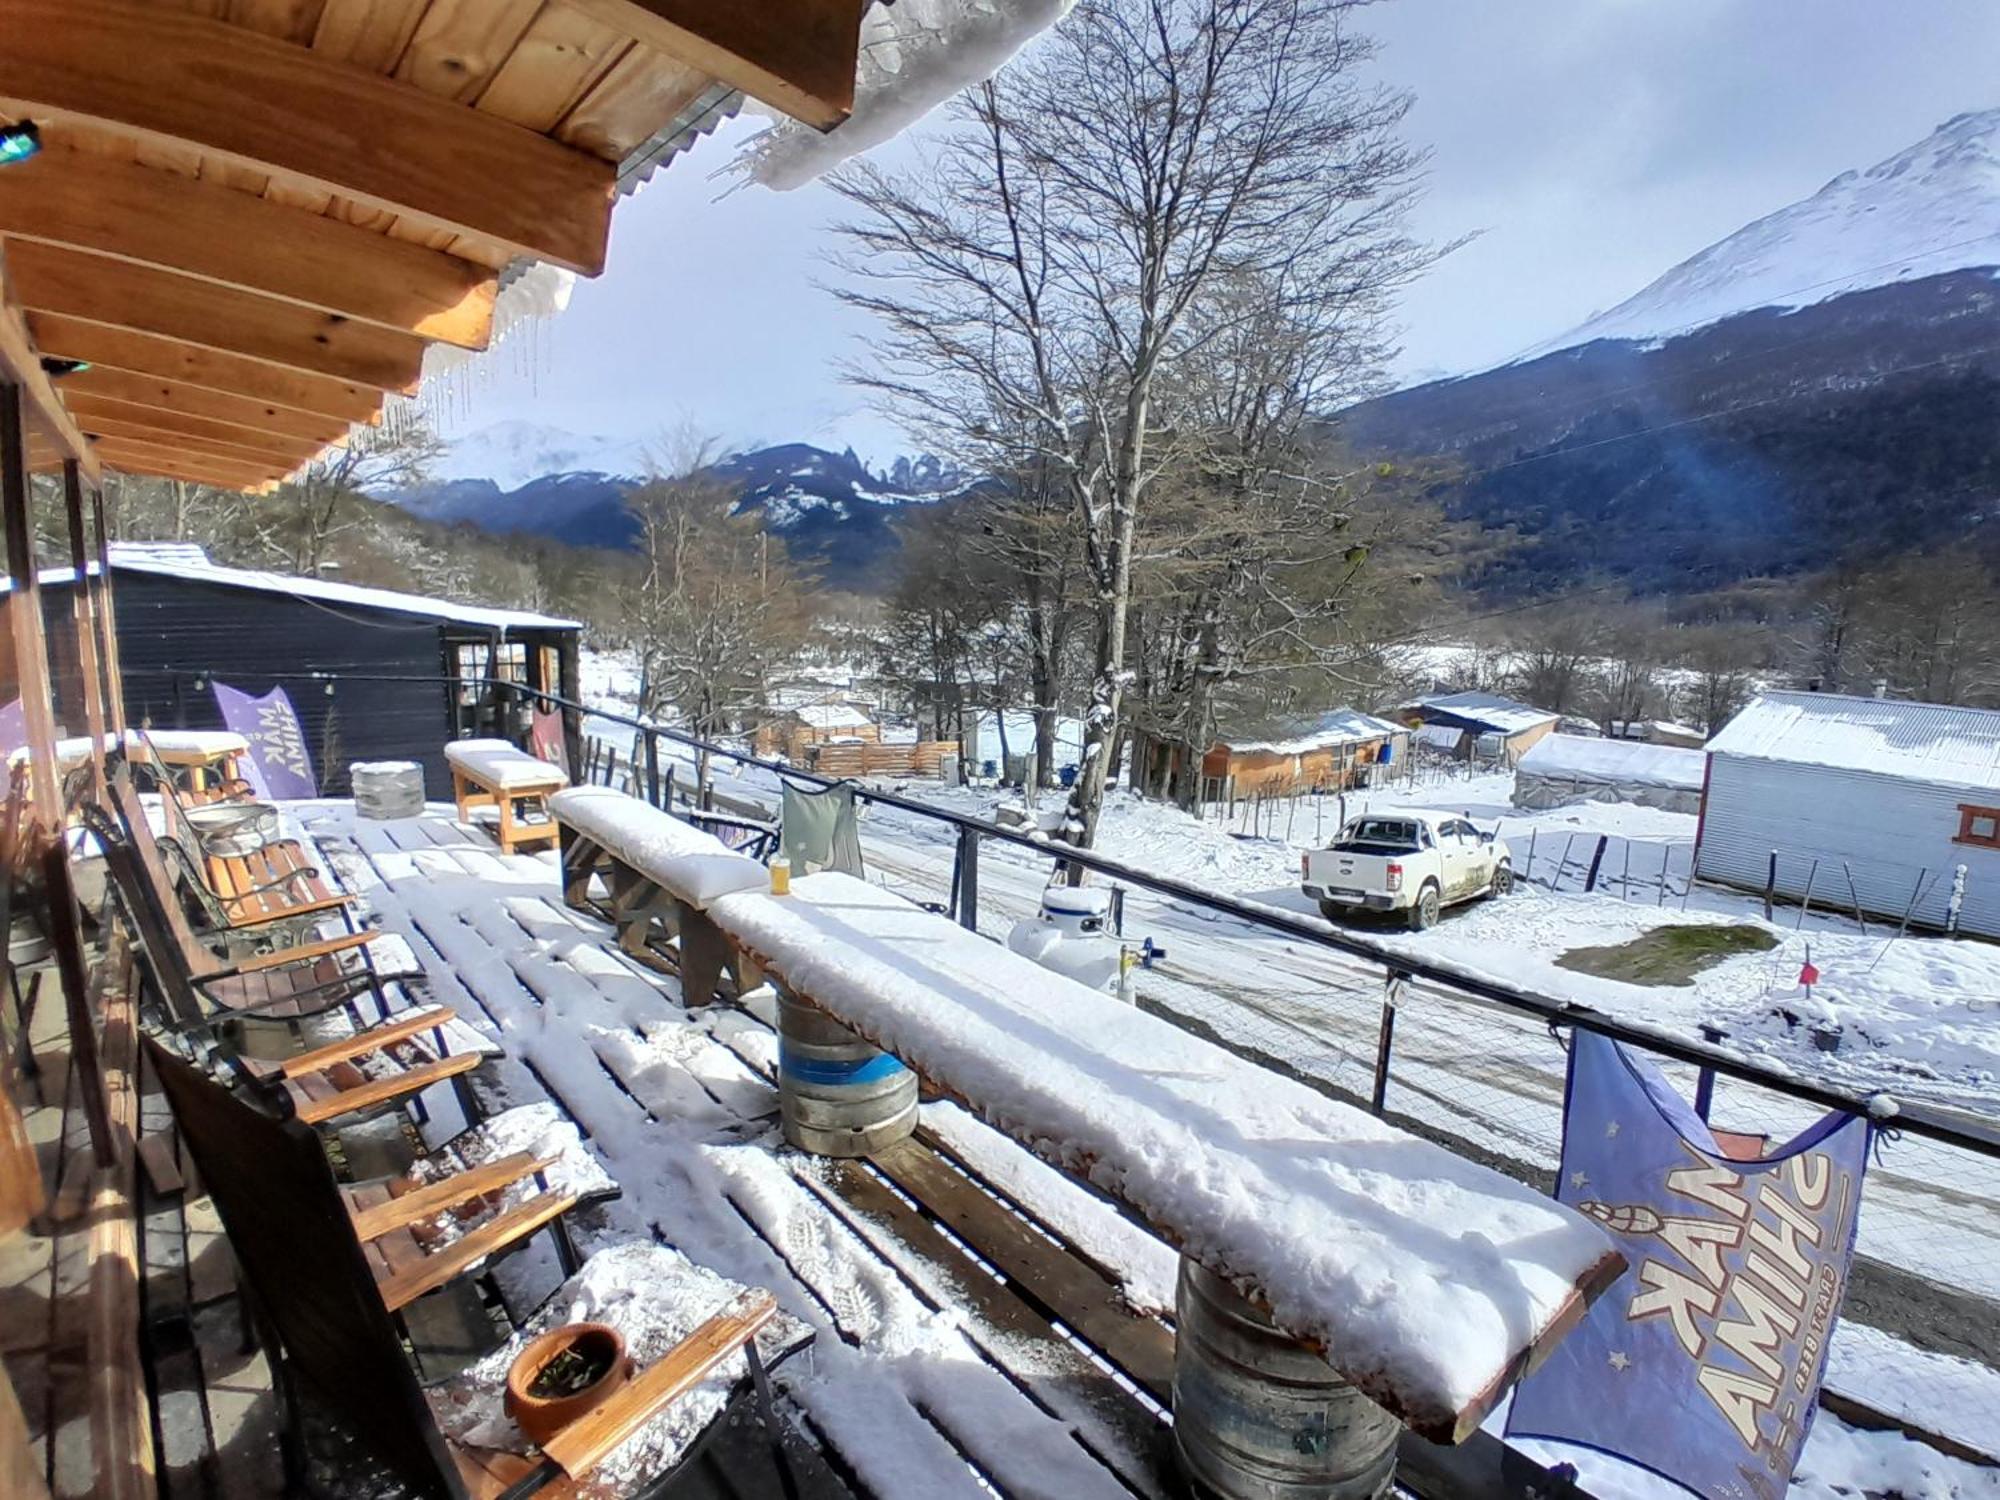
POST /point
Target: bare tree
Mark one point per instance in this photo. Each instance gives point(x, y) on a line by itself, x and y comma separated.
point(716, 605)
point(309, 514)
point(1076, 240)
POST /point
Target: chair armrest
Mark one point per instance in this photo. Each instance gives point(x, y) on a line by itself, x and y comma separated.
point(372, 1040)
point(582, 1445)
point(382, 1090)
point(490, 1238)
point(434, 1198)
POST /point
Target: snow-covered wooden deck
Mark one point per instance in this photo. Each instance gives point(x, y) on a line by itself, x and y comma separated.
point(984, 1324)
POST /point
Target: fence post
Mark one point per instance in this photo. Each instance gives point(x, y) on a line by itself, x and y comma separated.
point(1704, 1079)
point(1385, 1040)
point(968, 877)
point(1770, 884)
point(652, 768)
point(1596, 861)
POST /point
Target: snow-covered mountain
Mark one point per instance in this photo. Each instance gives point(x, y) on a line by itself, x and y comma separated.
point(1815, 389)
point(1932, 208)
point(833, 510)
point(518, 452)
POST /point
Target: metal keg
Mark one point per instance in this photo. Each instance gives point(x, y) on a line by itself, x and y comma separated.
point(839, 1096)
point(1259, 1417)
point(385, 789)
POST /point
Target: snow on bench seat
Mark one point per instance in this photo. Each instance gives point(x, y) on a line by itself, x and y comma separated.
point(500, 766)
point(1427, 1280)
point(689, 863)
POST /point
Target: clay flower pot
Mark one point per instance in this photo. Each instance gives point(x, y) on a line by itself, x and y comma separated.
point(562, 1375)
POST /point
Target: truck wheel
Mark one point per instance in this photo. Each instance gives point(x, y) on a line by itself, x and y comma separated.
point(1503, 880)
point(1333, 911)
point(1424, 913)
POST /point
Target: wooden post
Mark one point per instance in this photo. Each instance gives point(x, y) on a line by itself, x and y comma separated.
point(968, 877)
point(107, 621)
point(1770, 884)
point(1596, 863)
point(86, 626)
point(1385, 1039)
point(31, 656)
point(569, 679)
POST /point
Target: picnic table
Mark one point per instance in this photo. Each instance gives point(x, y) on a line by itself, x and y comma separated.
point(1429, 1282)
point(494, 773)
point(208, 756)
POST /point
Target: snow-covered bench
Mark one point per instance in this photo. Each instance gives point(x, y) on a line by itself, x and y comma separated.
point(1429, 1282)
point(657, 875)
point(493, 773)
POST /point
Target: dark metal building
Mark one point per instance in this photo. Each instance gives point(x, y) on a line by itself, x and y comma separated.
point(364, 667)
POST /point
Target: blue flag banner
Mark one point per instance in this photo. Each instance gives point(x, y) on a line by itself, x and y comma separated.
point(279, 765)
point(1703, 1363)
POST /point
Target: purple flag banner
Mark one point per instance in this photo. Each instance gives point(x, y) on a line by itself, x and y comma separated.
point(1703, 1364)
point(279, 766)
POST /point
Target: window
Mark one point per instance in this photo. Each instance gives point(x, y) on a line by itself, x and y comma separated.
point(1978, 825)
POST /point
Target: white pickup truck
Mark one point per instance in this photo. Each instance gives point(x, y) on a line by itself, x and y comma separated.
point(1413, 862)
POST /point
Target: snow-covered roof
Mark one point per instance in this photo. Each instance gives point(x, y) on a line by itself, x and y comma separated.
point(1488, 710)
point(182, 560)
point(831, 716)
point(1343, 726)
point(1570, 757)
point(1922, 741)
point(915, 55)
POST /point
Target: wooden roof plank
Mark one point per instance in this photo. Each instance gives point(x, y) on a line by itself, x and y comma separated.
point(795, 55)
point(460, 44)
point(640, 94)
point(558, 61)
point(110, 207)
point(169, 398)
point(190, 364)
point(370, 34)
point(54, 279)
point(21, 362)
point(269, 106)
point(171, 463)
point(289, 20)
point(102, 417)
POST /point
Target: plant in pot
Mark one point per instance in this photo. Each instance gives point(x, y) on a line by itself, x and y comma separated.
point(563, 1374)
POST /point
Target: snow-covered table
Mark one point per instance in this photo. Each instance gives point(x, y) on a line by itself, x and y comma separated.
point(493, 773)
point(1429, 1282)
point(658, 875)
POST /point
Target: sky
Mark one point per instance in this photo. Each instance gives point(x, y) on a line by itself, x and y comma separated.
point(1585, 146)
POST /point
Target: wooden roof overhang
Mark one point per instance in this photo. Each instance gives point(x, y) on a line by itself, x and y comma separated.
point(250, 218)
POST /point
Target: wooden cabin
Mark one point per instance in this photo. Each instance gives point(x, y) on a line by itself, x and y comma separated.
point(1482, 727)
point(794, 732)
point(374, 674)
point(1334, 752)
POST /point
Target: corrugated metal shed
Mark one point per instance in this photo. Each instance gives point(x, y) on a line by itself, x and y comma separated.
point(1484, 711)
point(1810, 791)
point(1924, 741)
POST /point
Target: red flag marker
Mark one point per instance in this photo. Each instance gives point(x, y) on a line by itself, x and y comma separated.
point(1809, 976)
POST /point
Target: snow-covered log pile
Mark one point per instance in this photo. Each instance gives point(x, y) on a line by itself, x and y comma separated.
point(1425, 1279)
point(1561, 769)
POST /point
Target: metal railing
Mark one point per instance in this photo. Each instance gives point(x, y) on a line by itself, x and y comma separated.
point(1466, 1059)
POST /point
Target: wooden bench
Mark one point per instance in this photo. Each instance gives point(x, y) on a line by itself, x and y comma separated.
point(1427, 1281)
point(382, 1065)
point(299, 1243)
point(658, 875)
point(493, 773)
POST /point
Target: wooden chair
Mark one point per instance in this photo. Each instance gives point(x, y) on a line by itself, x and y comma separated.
point(328, 1083)
point(199, 987)
point(294, 1237)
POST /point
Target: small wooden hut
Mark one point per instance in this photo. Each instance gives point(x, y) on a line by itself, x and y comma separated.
point(1334, 752)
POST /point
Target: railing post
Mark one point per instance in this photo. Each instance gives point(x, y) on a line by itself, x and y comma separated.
point(968, 877)
point(1385, 1040)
